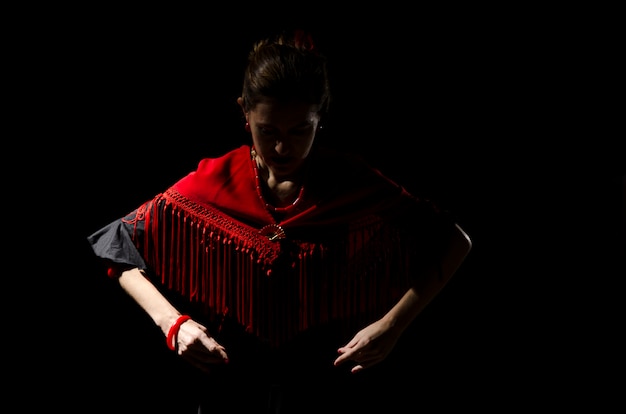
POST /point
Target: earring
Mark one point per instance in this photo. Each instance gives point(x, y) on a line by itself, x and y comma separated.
point(247, 127)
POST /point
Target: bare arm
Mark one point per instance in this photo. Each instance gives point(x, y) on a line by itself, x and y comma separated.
point(193, 342)
point(373, 343)
point(416, 299)
point(162, 312)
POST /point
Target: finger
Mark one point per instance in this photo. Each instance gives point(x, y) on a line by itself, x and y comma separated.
point(201, 361)
point(338, 361)
point(346, 355)
point(201, 353)
point(202, 365)
point(215, 348)
point(357, 368)
point(350, 344)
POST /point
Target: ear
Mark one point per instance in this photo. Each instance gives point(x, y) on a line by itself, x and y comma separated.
point(240, 103)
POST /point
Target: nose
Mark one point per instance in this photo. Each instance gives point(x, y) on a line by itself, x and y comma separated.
point(281, 147)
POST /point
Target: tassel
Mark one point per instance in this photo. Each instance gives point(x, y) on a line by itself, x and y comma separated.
point(275, 289)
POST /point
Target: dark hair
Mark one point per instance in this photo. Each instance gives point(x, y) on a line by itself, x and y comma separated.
point(286, 68)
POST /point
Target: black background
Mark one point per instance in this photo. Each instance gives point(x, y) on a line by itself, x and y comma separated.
point(510, 120)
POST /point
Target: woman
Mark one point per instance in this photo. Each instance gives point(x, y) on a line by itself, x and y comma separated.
point(283, 271)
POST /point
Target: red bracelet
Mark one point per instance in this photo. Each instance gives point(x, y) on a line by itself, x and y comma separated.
point(172, 334)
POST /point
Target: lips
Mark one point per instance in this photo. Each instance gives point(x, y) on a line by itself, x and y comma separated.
point(281, 161)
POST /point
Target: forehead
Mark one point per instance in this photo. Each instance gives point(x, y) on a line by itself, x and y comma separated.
point(270, 111)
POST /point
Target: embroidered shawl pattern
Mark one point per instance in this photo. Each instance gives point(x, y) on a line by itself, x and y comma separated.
point(351, 271)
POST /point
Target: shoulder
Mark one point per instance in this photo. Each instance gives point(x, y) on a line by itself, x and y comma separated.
point(350, 171)
point(212, 175)
point(224, 163)
point(341, 162)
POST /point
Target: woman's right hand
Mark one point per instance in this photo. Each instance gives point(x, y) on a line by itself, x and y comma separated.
point(197, 347)
point(193, 341)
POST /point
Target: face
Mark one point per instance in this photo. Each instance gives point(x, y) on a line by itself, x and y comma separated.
point(283, 134)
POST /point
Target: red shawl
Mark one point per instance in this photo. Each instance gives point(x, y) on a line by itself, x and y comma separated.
point(348, 252)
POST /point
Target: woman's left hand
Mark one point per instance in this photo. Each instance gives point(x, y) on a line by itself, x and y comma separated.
point(369, 346)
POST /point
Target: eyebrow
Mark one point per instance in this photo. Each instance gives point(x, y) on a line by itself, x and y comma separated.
point(303, 124)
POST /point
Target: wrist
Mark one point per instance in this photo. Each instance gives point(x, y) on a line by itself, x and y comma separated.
point(172, 333)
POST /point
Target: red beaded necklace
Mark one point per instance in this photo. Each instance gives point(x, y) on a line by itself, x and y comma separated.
point(269, 207)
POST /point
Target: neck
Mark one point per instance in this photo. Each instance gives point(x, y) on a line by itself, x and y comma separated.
point(278, 194)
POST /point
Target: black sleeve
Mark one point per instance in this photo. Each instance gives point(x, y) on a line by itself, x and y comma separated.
point(114, 245)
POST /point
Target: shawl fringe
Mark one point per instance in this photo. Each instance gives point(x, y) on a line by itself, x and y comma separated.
point(274, 288)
